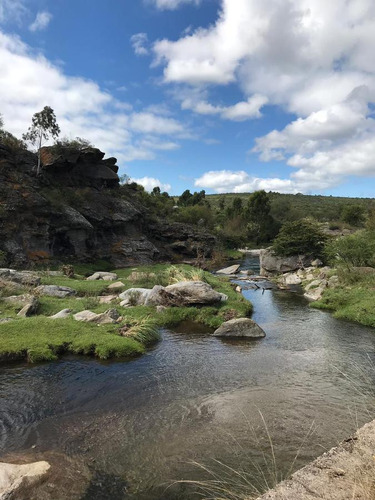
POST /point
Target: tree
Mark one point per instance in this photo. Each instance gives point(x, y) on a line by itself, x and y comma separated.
point(43, 126)
point(156, 191)
point(302, 237)
point(353, 215)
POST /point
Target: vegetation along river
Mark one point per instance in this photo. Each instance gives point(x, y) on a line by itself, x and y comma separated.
point(196, 398)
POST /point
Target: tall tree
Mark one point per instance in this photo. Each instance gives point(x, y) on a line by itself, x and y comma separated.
point(43, 126)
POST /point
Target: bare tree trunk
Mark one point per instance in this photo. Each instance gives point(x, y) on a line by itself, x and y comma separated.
point(39, 148)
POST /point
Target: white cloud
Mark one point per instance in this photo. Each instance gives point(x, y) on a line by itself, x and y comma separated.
point(139, 43)
point(173, 4)
point(149, 183)
point(312, 58)
point(228, 181)
point(41, 21)
point(28, 82)
point(240, 111)
point(12, 10)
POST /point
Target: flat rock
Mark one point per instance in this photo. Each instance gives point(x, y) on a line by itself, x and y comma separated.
point(65, 313)
point(60, 292)
point(107, 299)
point(229, 270)
point(86, 316)
point(240, 328)
point(116, 286)
point(102, 275)
point(26, 278)
point(108, 317)
point(13, 476)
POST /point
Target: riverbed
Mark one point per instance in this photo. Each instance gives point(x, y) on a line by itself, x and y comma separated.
point(249, 411)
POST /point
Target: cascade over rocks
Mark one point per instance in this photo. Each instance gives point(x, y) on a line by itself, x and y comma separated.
point(74, 212)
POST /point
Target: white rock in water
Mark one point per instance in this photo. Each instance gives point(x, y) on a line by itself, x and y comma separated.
point(229, 270)
point(240, 328)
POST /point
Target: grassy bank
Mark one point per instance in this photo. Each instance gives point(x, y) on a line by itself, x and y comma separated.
point(41, 338)
point(353, 300)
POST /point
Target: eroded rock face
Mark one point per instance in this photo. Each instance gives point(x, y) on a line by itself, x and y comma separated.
point(74, 212)
point(273, 264)
point(240, 328)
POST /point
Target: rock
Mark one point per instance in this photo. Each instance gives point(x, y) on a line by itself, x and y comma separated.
point(240, 328)
point(119, 285)
point(29, 309)
point(310, 277)
point(103, 276)
point(107, 299)
point(134, 297)
point(5, 320)
point(160, 309)
point(28, 304)
point(110, 316)
point(61, 292)
point(316, 284)
point(13, 476)
point(317, 263)
point(25, 278)
point(238, 289)
point(314, 294)
point(65, 313)
point(229, 270)
point(186, 293)
point(292, 279)
point(273, 264)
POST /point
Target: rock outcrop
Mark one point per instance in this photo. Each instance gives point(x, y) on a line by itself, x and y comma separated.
point(270, 263)
point(77, 211)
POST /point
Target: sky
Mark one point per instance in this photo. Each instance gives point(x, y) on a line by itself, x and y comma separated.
point(221, 95)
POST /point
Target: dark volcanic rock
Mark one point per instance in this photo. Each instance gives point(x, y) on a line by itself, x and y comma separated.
point(74, 211)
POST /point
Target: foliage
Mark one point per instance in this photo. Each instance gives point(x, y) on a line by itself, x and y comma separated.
point(187, 199)
point(353, 215)
point(43, 126)
point(353, 250)
point(10, 141)
point(66, 144)
point(199, 215)
point(303, 237)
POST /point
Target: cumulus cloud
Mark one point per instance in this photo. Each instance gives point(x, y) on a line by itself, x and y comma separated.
point(28, 82)
point(313, 59)
point(150, 182)
point(139, 43)
point(41, 21)
point(173, 4)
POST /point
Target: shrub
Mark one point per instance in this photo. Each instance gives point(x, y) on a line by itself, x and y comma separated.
point(302, 237)
point(353, 215)
point(354, 250)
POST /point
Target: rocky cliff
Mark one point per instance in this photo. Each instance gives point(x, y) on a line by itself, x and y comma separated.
point(76, 210)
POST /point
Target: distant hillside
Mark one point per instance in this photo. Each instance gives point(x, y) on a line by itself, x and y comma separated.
point(296, 206)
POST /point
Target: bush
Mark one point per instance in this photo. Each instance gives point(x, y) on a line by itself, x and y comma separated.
point(199, 215)
point(353, 215)
point(355, 250)
point(11, 142)
point(77, 144)
point(303, 237)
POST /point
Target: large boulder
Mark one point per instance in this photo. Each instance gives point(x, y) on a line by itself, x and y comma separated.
point(13, 477)
point(240, 328)
point(134, 297)
point(270, 263)
point(61, 292)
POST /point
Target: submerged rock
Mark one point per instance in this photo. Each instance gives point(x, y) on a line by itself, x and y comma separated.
point(13, 477)
point(240, 328)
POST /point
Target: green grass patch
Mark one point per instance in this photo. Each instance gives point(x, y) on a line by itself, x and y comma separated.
point(350, 303)
point(40, 338)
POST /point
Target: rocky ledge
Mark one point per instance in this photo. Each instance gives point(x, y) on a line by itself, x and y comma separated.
point(77, 211)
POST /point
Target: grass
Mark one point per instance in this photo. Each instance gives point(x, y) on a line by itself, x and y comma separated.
point(40, 338)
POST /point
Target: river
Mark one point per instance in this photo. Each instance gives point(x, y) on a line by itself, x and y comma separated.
point(195, 399)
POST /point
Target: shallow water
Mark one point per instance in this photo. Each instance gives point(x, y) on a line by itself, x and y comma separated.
point(193, 397)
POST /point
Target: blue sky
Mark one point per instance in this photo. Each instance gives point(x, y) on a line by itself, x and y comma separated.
point(221, 95)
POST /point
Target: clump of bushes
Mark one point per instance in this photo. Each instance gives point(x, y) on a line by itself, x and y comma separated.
point(302, 237)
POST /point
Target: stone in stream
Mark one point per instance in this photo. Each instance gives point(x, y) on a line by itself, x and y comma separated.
point(13, 477)
point(61, 292)
point(240, 328)
point(229, 270)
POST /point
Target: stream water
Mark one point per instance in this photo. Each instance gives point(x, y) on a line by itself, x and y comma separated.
point(195, 398)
